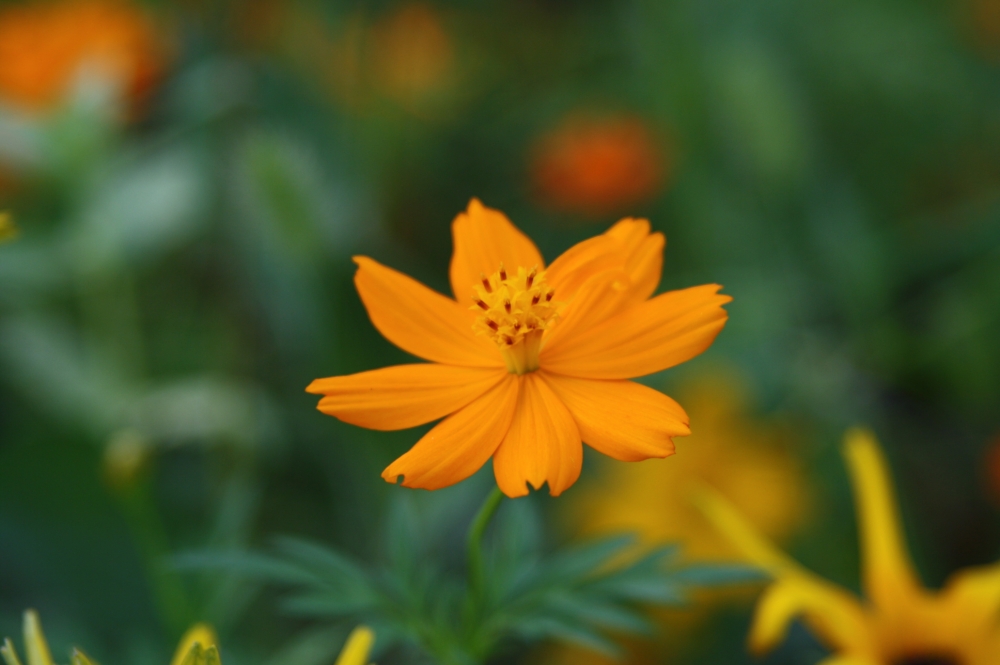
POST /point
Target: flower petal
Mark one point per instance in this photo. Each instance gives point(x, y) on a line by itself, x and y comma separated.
point(484, 238)
point(34, 640)
point(459, 445)
point(630, 232)
point(837, 619)
point(843, 659)
point(359, 644)
point(656, 334)
point(201, 634)
point(644, 255)
point(419, 320)
point(622, 419)
point(628, 246)
point(576, 265)
point(402, 396)
point(602, 296)
point(542, 444)
point(889, 579)
point(970, 602)
point(833, 613)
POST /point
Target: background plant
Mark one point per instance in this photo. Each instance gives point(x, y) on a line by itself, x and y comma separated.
point(182, 272)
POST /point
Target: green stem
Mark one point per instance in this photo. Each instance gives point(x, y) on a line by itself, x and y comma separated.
point(151, 539)
point(474, 541)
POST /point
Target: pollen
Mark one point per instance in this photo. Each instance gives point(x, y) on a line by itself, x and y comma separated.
point(515, 308)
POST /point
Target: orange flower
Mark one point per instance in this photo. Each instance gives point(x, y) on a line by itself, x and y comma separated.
point(596, 166)
point(44, 46)
point(534, 363)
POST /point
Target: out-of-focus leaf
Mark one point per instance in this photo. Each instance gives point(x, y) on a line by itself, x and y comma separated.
point(205, 409)
point(146, 206)
point(537, 628)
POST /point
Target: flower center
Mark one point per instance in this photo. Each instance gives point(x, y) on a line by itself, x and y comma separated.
point(928, 659)
point(515, 308)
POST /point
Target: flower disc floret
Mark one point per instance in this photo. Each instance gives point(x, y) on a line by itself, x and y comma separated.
point(515, 309)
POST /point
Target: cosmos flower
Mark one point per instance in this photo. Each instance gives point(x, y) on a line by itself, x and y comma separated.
point(899, 622)
point(45, 46)
point(528, 360)
point(595, 166)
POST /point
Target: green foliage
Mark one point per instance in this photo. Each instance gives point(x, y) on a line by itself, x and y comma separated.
point(419, 601)
point(181, 273)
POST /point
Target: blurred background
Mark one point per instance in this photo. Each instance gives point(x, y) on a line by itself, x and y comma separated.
point(188, 180)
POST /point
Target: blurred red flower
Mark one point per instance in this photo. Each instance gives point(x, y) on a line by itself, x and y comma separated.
point(595, 166)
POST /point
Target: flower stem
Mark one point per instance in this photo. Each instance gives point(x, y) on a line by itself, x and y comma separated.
point(474, 541)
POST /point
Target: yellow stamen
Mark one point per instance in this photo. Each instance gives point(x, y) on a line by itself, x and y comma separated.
point(515, 310)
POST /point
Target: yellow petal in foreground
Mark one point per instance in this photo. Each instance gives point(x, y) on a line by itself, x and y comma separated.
point(196, 647)
point(902, 623)
point(889, 579)
point(528, 359)
point(201, 635)
point(34, 640)
point(358, 646)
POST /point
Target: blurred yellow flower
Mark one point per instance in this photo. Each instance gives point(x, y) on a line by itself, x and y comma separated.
point(527, 362)
point(595, 166)
point(742, 458)
point(125, 455)
point(412, 53)
point(197, 646)
point(7, 229)
point(899, 622)
point(358, 646)
point(44, 46)
point(406, 55)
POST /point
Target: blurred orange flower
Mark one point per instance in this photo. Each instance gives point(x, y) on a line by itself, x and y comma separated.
point(983, 19)
point(742, 458)
point(527, 361)
point(595, 166)
point(44, 46)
